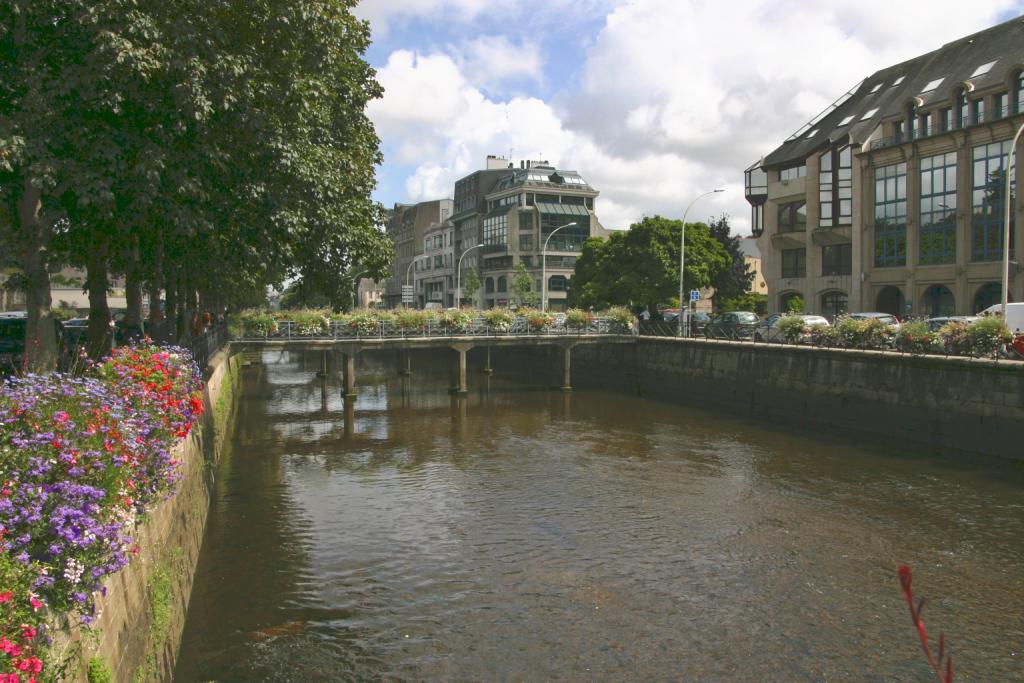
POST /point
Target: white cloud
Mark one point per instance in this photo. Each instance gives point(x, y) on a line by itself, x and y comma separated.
point(675, 96)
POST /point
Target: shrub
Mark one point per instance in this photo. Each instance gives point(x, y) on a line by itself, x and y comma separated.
point(254, 323)
point(578, 319)
point(823, 335)
point(862, 334)
point(915, 337)
point(499, 319)
point(986, 337)
point(362, 322)
point(792, 328)
point(621, 318)
point(953, 338)
point(537, 320)
point(458, 320)
point(310, 321)
point(22, 630)
point(410, 319)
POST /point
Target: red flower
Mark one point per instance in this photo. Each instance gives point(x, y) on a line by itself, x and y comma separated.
point(6, 596)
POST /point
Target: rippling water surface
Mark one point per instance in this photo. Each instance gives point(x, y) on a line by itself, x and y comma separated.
point(522, 534)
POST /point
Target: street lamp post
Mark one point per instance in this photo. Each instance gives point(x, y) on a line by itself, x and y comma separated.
point(544, 267)
point(408, 271)
point(682, 264)
point(458, 276)
point(1006, 219)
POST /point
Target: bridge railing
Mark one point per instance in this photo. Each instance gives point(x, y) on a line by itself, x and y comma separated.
point(285, 330)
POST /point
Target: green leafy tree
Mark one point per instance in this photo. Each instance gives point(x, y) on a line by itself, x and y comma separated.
point(735, 280)
point(471, 286)
point(795, 304)
point(748, 301)
point(522, 286)
point(641, 265)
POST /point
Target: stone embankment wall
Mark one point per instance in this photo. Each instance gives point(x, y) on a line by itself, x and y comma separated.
point(138, 632)
point(961, 404)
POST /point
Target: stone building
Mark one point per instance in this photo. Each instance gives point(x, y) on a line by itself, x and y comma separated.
point(892, 199)
point(407, 224)
point(434, 272)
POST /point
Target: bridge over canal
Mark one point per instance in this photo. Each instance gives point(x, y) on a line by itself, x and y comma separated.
point(349, 347)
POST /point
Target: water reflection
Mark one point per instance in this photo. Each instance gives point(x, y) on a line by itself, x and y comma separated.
point(522, 534)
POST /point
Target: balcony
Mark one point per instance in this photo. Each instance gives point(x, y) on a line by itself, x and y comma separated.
point(832, 234)
point(789, 240)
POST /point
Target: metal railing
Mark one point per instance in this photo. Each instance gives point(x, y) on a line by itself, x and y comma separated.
point(287, 330)
point(207, 343)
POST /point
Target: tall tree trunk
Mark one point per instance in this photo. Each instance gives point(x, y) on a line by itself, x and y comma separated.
point(100, 334)
point(171, 305)
point(133, 293)
point(156, 313)
point(41, 343)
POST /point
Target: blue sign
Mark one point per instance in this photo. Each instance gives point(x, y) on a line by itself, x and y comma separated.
point(694, 295)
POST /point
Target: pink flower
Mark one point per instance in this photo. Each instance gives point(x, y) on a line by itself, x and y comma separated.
point(6, 596)
point(34, 601)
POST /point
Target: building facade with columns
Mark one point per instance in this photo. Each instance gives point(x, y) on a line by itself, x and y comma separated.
point(893, 198)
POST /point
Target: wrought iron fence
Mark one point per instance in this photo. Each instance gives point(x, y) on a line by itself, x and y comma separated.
point(475, 327)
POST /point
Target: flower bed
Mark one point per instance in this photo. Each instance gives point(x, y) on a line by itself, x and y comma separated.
point(81, 459)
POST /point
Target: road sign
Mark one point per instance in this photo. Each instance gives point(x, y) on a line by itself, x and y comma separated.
point(408, 296)
point(694, 295)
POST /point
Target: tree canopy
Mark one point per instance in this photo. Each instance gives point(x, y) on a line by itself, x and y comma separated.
point(640, 266)
point(203, 148)
point(734, 281)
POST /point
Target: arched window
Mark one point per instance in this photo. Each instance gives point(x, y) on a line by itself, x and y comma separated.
point(938, 301)
point(890, 300)
point(989, 294)
point(834, 304)
point(502, 284)
point(791, 301)
point(556, 283)
point(489, 285)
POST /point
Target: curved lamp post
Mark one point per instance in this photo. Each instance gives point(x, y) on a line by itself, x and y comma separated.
point(408, 271)
point(1006, 220)
point(683, 304)
point(458, 276)
point(544, 266)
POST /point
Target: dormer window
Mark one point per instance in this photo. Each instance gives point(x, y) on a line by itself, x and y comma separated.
point(962, 111)
point(1018, 93)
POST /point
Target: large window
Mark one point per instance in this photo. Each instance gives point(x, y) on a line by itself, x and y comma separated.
point(793, 217)
point(794, 263)
point(557, 283)
point(989, 187)
point(938, 209)
point(836, 187)
point(566, 239)
point(891, 215)
point(837, 259)
point(496, 229)
point(946, 119)
point(977, 111)
point(1000, 105)
point(525, 242)
point(793, 172)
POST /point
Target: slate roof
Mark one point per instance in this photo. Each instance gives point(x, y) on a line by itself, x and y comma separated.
point(883, 96)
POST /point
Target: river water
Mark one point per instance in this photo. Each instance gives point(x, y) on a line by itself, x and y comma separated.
point(522, 534)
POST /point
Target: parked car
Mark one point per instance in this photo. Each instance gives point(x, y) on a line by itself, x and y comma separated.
point(12, 341)
point(734, 325)
point(936, 324)
point(698, 322)
point(1014, 315)
point(887, 318)
point(768, 329)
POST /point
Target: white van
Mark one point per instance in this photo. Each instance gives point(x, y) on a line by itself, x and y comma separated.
point(1014, 315)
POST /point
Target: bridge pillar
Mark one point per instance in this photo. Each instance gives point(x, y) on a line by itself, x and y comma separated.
point(487, 368)
point(407, 358)
point(462, 387)
point(322, 374)
point(567, 366)
point(349, 379)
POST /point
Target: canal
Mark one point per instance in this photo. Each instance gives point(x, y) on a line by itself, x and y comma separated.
point(523, 534)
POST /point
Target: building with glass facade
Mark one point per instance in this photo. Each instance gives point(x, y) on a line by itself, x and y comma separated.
point(530, 207)
point(893, 198)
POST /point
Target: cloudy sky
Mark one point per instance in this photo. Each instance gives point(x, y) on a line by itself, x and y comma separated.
point(652, 101)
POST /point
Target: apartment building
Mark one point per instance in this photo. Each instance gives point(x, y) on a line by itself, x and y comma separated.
point(407, 225)
point(893, 198)
point(434, 270)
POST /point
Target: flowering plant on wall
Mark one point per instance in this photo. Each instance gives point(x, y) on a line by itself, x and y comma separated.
point(81, 458)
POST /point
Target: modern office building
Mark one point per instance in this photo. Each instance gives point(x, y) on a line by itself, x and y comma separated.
point(406, 227)
point(893, 198)
point(525, 208)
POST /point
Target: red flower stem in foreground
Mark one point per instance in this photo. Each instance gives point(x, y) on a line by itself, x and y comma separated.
point(906, 579)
